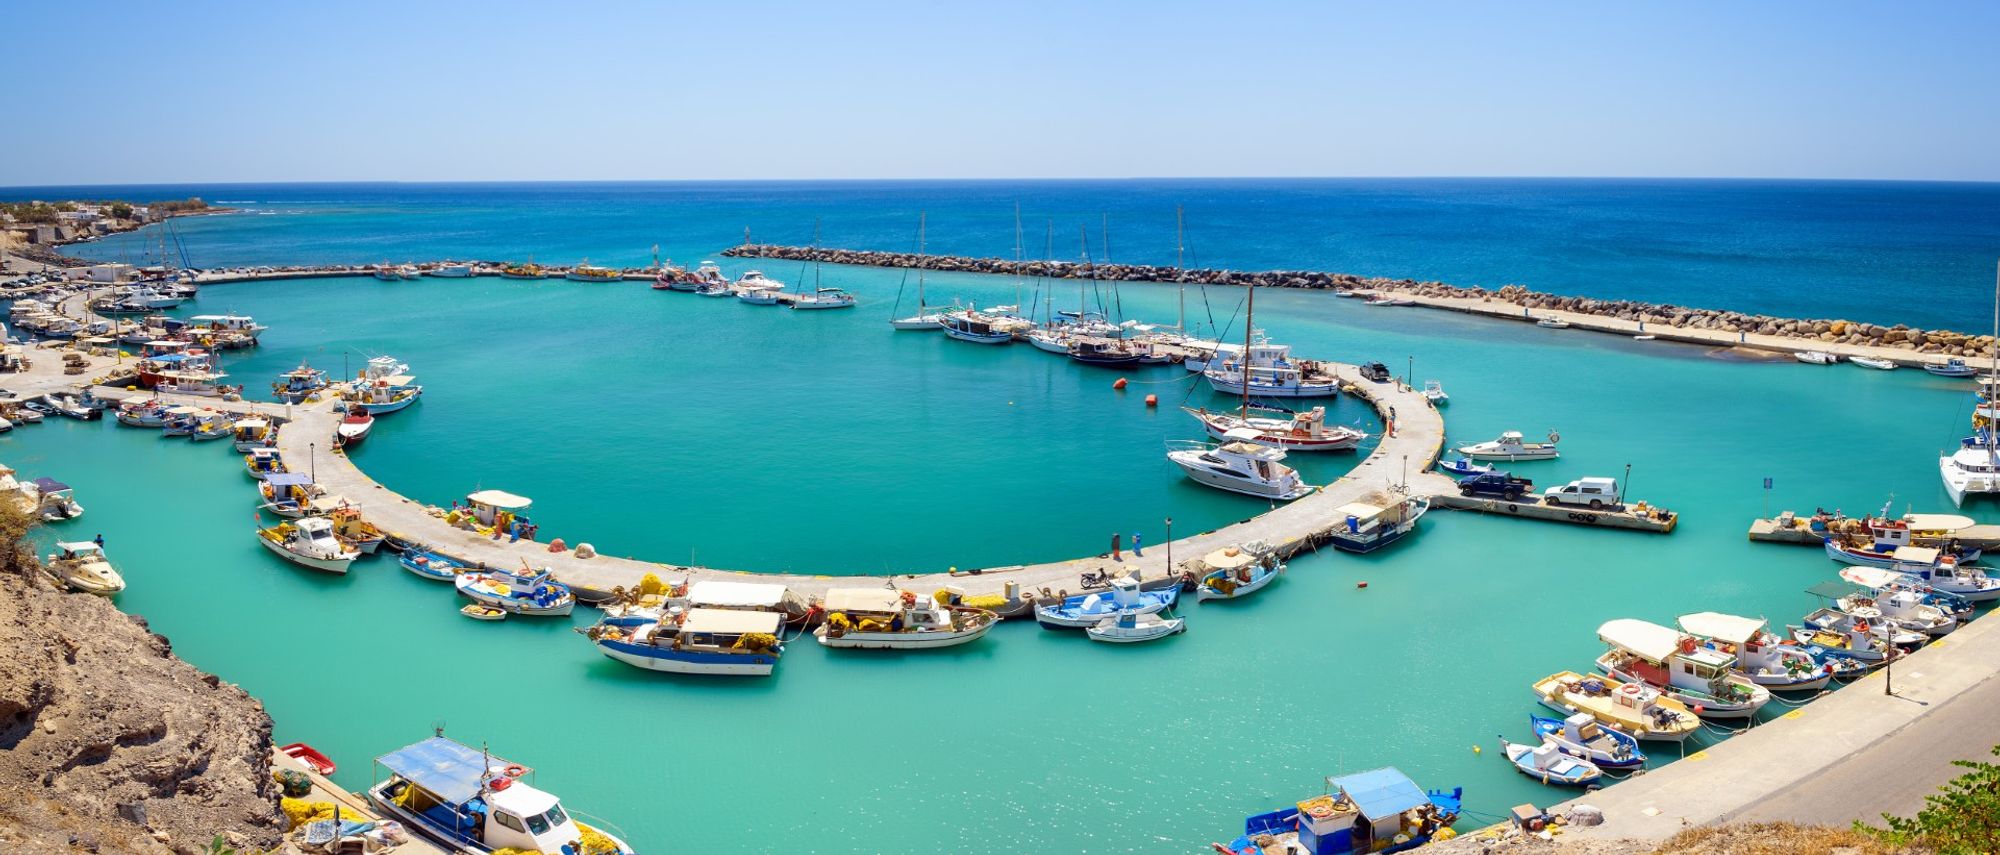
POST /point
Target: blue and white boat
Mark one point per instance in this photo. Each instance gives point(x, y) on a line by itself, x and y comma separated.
point(1580, 736)
point(729, 642)
point(1881, 581)
point(1083, 611)
point(1953, 367)
point(1758, 654)
point(299, 383)
point(435, 566)
point(1463, 466)
point(1550, 765)
point(1238, 571)
point(1380, 810)
point(529, 592)
point(1362, 527)
point(468, 801)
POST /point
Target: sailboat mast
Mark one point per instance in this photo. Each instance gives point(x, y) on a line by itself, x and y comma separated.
point(1180, 256)
point(815, 255)
point(1243, 361)
point(1083, 241)
point(1017, 256)
point(920, 264)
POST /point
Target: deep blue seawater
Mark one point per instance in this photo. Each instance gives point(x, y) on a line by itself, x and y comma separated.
point(659, 423)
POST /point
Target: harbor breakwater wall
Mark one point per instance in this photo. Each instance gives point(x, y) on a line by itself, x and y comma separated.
point(1827, 331)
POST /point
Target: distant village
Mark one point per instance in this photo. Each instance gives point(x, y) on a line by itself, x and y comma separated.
point(34, 229)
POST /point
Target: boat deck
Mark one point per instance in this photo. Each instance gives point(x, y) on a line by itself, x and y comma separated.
point(352, 806)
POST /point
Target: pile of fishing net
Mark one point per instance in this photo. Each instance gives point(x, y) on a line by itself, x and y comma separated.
point(299, 812)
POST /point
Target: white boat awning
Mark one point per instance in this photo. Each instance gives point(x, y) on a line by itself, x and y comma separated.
point(1869, 577)
point(731, 622)
point(1938, 522)
point(1358, 510)
point(500, 499)
point(1916, 555)
point(1231, 558)
point(739, 595)
point(1649, 640)
point(886, 600)
point(1730, 629)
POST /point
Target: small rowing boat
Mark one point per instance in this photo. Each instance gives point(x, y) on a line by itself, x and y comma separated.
point(1873, 362)
point(479, 612)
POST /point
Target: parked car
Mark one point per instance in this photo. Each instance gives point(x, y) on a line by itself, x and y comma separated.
point(1375, 371)
point(1495, 483)
point(1595, 492)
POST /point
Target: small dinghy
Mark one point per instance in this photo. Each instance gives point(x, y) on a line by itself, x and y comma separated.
point(1580, 736)
point(1550, 766)
point(1463, 466)
point(434, 566)
point(1552, 322)
point(1511, 447)
point(1130, 628)
point(310, 756)
point(479, 612)
point(1873, 362)
point(1816, 357)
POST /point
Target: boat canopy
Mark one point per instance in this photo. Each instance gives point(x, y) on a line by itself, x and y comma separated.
point(288, 479)
point(1229, 558)
point(80, 547)
point(1937, 522)
point(864, 600)
point(49, 485)
point(1647, 639)
point(1380, 793)
point(1358, 510)
point(730, 622)
point(183, 411)
point(736, 595)
point(251, 424)
point(1869, 577)
point(499, 499)
point(1916, 555)
point(1242, 434)
point(1831, 590)
point(452, 772)
point(1729, 629)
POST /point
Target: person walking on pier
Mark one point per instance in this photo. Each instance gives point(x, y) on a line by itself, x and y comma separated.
point(1115, 554)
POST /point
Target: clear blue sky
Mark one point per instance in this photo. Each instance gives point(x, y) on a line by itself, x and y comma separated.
point(118, 92)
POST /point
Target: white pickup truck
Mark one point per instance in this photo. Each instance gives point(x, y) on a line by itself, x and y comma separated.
point(1594, 492)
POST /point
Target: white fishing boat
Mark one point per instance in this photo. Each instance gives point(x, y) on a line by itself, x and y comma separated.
point(1840, 635)
point(1510, 447)
point(1953, 367)
point(1548, 763)
point(1381, 299)
point(309, 542)
point(587, 272)
point(1816, 357)
point(758, 296)
point(469, 802)
point(264, 461)
point(253, 433)
point(1240, 465)
point(1364, 527)
point(1552, 322)
point(1699, 677)
point(1905, 608)
point(1133, 628)
point(1636, 710)
point(354, 427)
point(1579, 735)
point(408, 271)
point(528, 592)
point(1054, 339)
point(81, 566)
point(384, 396)
point(1081, 611)
point(1272, 373)
point(1236, 572)
point(386, 272)
point(888, 619)
point(1761, 656)
point(450, 270)
point(727, 642)
point(1279, 428)
point(1874, 362)
point(1434, 392)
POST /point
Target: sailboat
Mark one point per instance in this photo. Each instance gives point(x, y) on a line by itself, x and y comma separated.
point(821, 298)
point(1271, 426)
point(924, 319)
point(1975, 466)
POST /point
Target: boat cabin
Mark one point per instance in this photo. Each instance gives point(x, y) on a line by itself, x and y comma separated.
point(468, 798)
point(729, 630)
point(251, 430)
point(1366, 812)
point(266, 460)
point(1661, 656)
point(743, 596)
point(488, 506)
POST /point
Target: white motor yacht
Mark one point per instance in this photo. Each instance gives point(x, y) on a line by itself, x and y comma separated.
point(1240, 465)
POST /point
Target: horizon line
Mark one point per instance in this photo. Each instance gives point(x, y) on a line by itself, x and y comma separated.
point(995, 180)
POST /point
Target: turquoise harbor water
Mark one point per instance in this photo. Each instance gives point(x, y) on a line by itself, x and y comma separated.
point(659, 424)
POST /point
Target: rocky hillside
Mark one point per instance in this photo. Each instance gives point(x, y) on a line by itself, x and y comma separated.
point(108, 743)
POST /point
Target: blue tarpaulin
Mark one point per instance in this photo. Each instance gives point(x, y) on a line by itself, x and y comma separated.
point(50, 485)
point(288, 479)
point(446, 769)
point(1382, 792)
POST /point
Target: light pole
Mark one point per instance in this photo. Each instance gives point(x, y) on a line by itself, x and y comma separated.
point(312, 459)
point(1170, 547)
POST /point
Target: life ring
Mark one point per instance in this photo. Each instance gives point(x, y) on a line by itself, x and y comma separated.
point(1629, 689)
point(514, 770)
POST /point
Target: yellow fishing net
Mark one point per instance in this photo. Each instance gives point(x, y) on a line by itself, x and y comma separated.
point(299, 811)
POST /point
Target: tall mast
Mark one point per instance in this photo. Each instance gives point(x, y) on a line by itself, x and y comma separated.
point(1049, 255)
point(1180, 256)
point(920, 264)
point(1083, 241)
point(815, 255)
point(1243, 361)
point(1017, 257)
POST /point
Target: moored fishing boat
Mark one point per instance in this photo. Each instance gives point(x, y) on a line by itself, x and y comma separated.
point(1903, 608)
point(1759, 655)
point(353, 427)
point(888, 619)
point(1546, 763)
point(974, 327)
point(309, 542)
point(251, 434)
point(263, 462)
point(469, 801)
point(212, 425)
point(81, 566)
point(299, 383)
point(1552, 322)
point(1634, 709)
point(1953, 576)
point(1874, 362)
point(1364, 527)
point(386, 272)
point(1081, 611)
point(408, 271)
point(1239, 465)
point(1579, 735)
point(1281, 428)
point(382, 396)
point(1132, 628)
point(1510, 447)
point(180, 421)
point(1699, 677)
point(1880, 581)
point(137, 413)
point(698, 641)
point(1271, 372)
point(529, 270)
point(479, 612)
point(1816, 357)
point(528, 592)
point(1434, 392)
point(1377, 811)
point(355, 531)
point(292, 495)
point(1463, 466)
point(1108, 353)
point(450, 270)
point(586, 272)
point(1953, 367)
point(430, 564)
point(1237, 571)
point(1841, 636)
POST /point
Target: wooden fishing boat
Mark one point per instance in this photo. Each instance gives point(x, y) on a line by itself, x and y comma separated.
point(435, 566)
point(1132, 628)
point(470, 802)
point(353, 427)
point(479, 612)
point(1237, 572)
point(1631, 708)
point(310, 756)
point(309, 542)
point(1699, 677)
point(1377, 811)
point(1546, 763)
point(888, 619)
point(728, 642)
point(1081, 611)
point(1280, 428)
point(1579, 736)
point(529, 592)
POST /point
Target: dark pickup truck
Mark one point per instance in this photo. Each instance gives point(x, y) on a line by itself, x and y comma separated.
point(1375, 371)
point(1498, 484)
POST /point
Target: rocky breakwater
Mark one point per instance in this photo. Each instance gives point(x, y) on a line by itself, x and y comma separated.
point(110, 744)
point(1824, 331)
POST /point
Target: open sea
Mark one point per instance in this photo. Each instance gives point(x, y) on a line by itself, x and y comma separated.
point(677, 428)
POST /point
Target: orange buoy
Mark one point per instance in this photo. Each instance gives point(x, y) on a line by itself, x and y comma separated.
point(1119, 384)
point(1152, 400)
point(1361, 584)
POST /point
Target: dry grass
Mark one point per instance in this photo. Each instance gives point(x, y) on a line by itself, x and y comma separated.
point(1774, 838)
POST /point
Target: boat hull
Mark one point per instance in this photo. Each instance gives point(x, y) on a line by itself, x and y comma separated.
point(978, 338)
point(856, 640)
point(1205, 475)
point(1229, 386)
point(1121, 635)
point(688, 662)
point(330, 565)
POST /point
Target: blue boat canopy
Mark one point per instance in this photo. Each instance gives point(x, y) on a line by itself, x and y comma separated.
point(50, 485)
point(1383, 792)
point(444, 768)
point(288, 479)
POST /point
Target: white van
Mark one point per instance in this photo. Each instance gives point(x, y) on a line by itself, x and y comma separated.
point(1595, 492)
